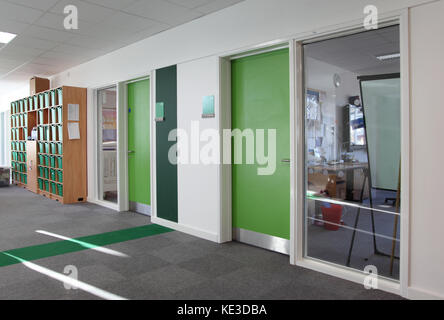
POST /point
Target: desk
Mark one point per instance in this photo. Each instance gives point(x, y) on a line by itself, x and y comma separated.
point(328, 177)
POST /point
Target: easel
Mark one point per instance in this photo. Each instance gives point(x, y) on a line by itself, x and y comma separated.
point(367, 178)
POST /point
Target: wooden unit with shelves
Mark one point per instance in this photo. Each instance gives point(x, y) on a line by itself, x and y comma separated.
point(58, 164)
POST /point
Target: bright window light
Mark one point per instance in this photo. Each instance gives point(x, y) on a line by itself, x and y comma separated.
point(6, 37)
point(389, 56)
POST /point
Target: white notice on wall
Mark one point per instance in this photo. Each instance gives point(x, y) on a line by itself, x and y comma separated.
point(73, 131)
point(73, 112)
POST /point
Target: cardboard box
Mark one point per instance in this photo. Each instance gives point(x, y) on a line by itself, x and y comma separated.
point(37, 85)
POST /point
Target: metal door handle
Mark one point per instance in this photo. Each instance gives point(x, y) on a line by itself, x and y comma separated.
point(285, 160)
point(131, 151)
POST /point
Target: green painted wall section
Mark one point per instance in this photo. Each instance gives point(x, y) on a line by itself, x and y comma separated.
point(260, 100)
point(166, 92)
point(139, 142)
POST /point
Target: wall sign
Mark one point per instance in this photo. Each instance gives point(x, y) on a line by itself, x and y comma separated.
point(160, 112)
point(208, 107)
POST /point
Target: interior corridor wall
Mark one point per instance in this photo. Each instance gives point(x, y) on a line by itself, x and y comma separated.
point(198, 183)
point(255, 22)
point(427, 153)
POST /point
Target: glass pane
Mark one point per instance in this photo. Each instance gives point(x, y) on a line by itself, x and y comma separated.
point(352, 143)
point(107, 104)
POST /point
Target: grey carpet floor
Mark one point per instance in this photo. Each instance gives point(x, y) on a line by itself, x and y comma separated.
point(166, 266)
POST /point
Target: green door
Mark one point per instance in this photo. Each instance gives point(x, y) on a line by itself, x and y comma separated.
point(139, 146)
point(261, 100)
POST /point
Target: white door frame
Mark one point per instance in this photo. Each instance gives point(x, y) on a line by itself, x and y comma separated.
point(93, 196)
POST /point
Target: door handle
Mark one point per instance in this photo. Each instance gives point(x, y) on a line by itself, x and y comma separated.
point(285, 160)
point(131, 151)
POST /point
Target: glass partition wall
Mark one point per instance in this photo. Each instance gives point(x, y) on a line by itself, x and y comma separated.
point(352, 151)
point(107, 140)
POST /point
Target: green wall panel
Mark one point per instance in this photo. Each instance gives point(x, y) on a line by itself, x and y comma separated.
point(260, 100)
point(166, 92)
point(139, 142)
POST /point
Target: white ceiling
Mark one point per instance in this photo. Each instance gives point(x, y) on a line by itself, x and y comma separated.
point(44, 48)
point(357, 53)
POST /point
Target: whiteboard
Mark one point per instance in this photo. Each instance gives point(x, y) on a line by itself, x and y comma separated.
point(382, 110)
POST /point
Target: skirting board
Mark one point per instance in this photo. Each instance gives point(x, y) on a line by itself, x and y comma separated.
point(186, 229)
point(348, 274)
point(419, 294)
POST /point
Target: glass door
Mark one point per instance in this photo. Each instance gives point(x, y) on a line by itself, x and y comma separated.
point(107, 144)
point(352, 151)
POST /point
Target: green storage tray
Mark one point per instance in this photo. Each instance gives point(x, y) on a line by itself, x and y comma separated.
point(60, 162)
point(40, 184)
point(60, 114)
point(53, 115)
point(53, 97)
point(41, 172)
point(53, 188)
point(46, 170)
point(54, 133)
point(36, 102)
point(60, 96)
point(47, 102)
point(41, 101)
point(60, 176)
point(31, 104)
point(41, 147)
point(46, 185)
point(60, 148)
point(46, 147)
point(53, 161)
point(21, 105)
point(60, 189)
point(41, 117)
point(60, 133)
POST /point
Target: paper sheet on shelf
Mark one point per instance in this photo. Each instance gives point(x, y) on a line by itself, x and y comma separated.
point(73, 131)
point(73, 112)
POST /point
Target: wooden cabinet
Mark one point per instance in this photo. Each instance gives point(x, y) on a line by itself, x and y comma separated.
point(55, 164)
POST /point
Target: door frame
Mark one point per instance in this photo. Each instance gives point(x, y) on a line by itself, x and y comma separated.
point(297, 104)
point(96, 173)
point(125, 168)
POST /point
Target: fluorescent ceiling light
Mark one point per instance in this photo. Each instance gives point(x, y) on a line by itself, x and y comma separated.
point(6, 37)
point(389, 56)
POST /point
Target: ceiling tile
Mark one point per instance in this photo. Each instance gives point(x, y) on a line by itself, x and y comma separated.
point(128, 22)
point(33, 43)
point(113, 4)
point(163, 11)
point(42, 5)
point(11, 11)
point(191, 4)
point(216, 5)
point(55, 22)
point(48, 34)
point(12, 26)
point(87, 11)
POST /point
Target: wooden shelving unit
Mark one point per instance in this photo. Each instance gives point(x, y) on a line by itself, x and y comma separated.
point(53, 165)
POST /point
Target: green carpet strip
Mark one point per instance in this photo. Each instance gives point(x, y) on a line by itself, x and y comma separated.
point(66, 246)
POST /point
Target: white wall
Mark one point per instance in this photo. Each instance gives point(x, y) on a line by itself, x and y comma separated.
point(427, 153)
point(257, 21)
point(198, 184)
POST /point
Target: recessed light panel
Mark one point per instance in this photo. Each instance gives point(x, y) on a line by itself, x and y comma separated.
point(6, 37)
